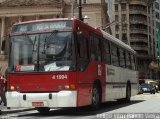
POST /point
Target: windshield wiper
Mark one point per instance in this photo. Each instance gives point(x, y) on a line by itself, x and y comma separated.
point(48, 38)
point(52, 33)
point(30, 40)
point(38, 47)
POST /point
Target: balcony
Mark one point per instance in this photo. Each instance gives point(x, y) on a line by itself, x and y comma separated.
point(140, 47)
point(139, 31)
point(142, 56)
point(121, 1)
point(138, 21)
point(138, 2)
point(138, 11)
point(140, 39)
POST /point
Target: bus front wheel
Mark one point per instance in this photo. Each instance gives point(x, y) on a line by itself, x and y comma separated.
point(96, 97)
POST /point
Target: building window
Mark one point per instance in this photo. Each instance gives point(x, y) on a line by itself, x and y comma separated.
point(82, 1)
point(123, 7)
point(124, 26)
point(116, 18)
point(123, 17)
point(156, 5)
point(124, 38)
point(117, 36)
point(157, 15)
point(117, 28)
point(157, 25)
point(116, 8)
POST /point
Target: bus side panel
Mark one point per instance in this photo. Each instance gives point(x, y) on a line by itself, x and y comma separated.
point(85, 80)
point(116, 82)
point(85, 85)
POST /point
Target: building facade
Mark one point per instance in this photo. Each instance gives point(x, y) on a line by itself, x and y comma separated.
point(134, 26)
point(13, 11)
point(156, 7)
point(156, 16)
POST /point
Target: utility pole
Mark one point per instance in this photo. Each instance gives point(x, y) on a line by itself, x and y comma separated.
point(80, 10)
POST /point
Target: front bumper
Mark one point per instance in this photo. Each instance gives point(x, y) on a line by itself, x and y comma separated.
point(59, 99)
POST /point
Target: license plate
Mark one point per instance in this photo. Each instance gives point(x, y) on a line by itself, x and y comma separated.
point(38, 104)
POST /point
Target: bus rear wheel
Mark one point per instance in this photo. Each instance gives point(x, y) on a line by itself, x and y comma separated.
point(128, 93)
point(96, 97)
point(43, 109)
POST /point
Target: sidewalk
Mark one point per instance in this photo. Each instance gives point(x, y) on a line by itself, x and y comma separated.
point(4, 110)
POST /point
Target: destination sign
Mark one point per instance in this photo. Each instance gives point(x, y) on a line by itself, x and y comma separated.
point(42, 26)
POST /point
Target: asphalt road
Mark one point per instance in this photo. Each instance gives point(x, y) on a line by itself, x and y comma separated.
point(145, 106)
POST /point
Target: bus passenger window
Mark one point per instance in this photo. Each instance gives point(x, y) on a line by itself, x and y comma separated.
point(128, 61)
point(133, 62)
point(107, 55)
point(115, 56)
point(95, 49)
point(122, 58)
point(82, 46)
point(82, 52)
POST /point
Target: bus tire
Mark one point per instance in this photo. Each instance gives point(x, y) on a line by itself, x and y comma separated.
point(96, 97)
point(128, 93)
point(43, 109)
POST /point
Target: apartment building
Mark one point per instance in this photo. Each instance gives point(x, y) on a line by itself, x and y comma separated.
point(134, 26)
point(156, 17)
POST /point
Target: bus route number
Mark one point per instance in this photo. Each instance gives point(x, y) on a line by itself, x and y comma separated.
point(60, 77)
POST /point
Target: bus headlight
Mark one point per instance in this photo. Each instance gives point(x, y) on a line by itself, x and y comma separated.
point(70, 87)
point(12, 88)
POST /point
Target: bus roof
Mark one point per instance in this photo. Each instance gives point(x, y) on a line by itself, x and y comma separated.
point(117, 41)
point(105, 34)
point(41, 20)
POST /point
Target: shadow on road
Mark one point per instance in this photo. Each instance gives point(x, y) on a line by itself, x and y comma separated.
point(85, 111)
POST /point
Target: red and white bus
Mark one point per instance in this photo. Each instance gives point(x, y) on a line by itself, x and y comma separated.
point(67, 63)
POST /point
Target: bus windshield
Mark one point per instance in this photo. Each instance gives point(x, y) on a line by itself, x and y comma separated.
point(42, 52)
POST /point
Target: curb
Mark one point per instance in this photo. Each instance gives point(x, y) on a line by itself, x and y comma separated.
point(9, 111)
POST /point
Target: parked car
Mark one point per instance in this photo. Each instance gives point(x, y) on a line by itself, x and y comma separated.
point(154, 83)
point(148, 88)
